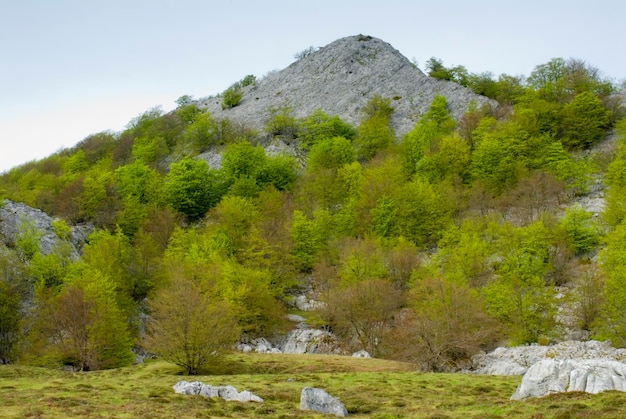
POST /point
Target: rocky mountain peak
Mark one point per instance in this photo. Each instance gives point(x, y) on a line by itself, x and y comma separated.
point(340, 79)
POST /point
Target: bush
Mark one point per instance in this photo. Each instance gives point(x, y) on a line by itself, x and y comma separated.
point(232, 96)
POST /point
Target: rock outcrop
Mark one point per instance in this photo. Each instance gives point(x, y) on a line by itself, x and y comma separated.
point(319, 400)
point(297, 341)
point(517, 360)
point(340, 79)
point(228, 393)
point(14, 215)
point(560, 375)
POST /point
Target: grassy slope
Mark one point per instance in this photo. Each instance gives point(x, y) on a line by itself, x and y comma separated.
point(368, 388)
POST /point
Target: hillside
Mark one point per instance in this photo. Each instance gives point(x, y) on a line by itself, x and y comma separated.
point(339, 79)
point(351, 196)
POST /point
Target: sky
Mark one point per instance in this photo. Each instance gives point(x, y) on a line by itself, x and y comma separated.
point(72, 68)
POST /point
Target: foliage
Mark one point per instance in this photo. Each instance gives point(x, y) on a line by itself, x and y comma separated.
point(10, 319)
point(281, 122)
point(320, 126)
point(232, 96)
point(330, 153)
point(437, 70)
point(362, 312)
point(191, 188)
point(584, 121)
point(444, 326)
point(582, 233)
point(249, 169)
point(559, 80)
point(188, 328)
point(611, 323)
point(27, 240)
point(83, 324)
point(463, 223)
point(520, 296)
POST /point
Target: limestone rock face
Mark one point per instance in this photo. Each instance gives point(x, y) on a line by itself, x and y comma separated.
point(340, 79)
point(319, 400)
point(228, 393)
point(560, 375)
point(15, 214)
point(309, 341)
point(517, 360)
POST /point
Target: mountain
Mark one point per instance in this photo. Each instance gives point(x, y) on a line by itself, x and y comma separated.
point(340, 78)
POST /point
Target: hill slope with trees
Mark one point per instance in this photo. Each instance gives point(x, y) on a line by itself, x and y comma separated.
point(433, 216)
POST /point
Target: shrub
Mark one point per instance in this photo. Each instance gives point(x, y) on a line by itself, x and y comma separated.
point(232, 96)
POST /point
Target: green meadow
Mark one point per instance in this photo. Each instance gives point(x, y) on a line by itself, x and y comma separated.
point(369, 388)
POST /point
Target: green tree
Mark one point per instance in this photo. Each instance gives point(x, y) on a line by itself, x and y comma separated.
point(232, 96)
point(520, 295)
point(374, 132)
point(611, 322)
point(279, 171)
point(445, 325)
point(583, 121)
point(363, 312)
point(281, 122)
point(243, 159)
point(423, 213)
point(581, 231)
point(306, 241)
point(192, 189)
point(320, 126)
point(85, 327)
point(139, 180)
point(330, 153)
point(10, 322)
point(189, 328)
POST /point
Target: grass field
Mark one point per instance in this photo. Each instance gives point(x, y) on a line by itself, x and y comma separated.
point(368, 387)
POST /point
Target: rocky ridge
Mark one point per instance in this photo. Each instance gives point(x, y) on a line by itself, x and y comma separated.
point(340, 79)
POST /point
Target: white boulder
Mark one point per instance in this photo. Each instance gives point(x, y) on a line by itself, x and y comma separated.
point(228, 393)
point(319, 400)
point(560, 375)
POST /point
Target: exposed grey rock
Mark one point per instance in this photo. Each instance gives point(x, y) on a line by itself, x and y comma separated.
point(309, 341)
point(361, 354)
point(517, 360)
point(304, 303)
point(228, 393)
point(296, 318)
point(15, 214)
point(264, 346)
point(244, 347)
point(340, 79)
point(213, 157)
point(320, 401)
point(560, 375)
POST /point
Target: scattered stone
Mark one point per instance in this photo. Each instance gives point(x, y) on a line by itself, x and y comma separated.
point(318, 400)
point(228, 393)
point(561, 375)
point(362, 354)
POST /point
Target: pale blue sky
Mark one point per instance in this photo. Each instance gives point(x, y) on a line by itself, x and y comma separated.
point(70, 68)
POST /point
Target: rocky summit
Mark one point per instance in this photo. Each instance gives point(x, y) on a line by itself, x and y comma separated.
point(340, 79)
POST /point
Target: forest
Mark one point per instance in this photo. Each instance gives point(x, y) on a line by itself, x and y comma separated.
point(428, 247)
